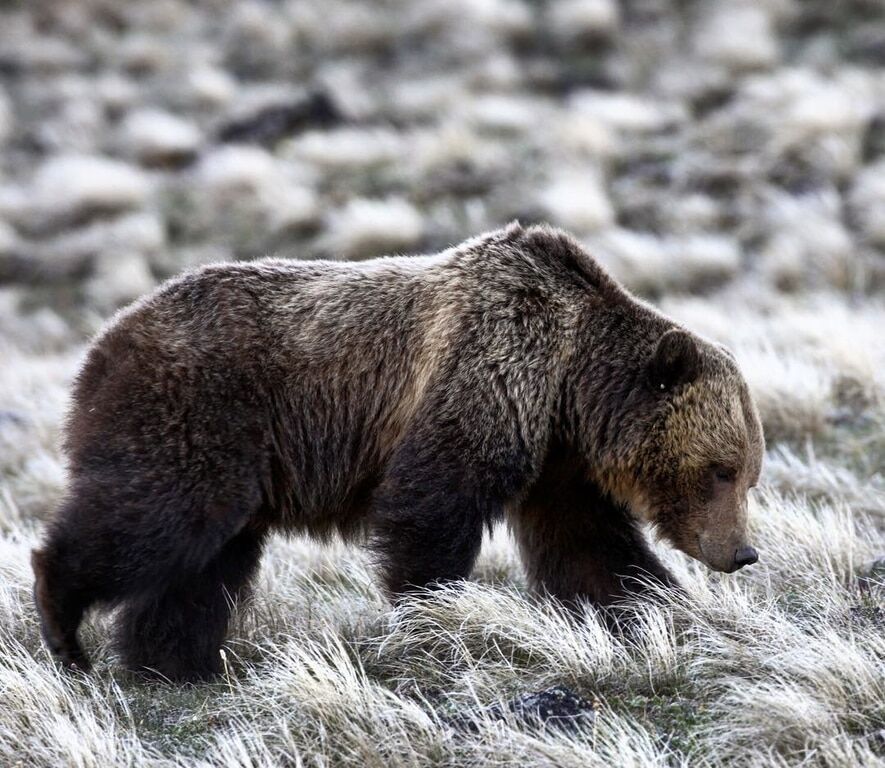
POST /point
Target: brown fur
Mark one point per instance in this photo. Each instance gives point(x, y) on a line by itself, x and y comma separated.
point(410, 400)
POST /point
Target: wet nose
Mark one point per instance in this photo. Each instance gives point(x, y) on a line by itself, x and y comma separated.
point(745, 556)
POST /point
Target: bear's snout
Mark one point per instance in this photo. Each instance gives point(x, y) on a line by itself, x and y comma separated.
point(725, 556)
point(745, 556)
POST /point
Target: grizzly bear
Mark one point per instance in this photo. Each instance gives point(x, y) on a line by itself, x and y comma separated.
point(406, 402)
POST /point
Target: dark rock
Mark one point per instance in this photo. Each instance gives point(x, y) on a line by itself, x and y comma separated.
point(34, 270)
point(558, 707)
point(460, 179)
point(874, 138)
point(272, 123)
point(711, 99)
point(797, 173)
point(866, 44)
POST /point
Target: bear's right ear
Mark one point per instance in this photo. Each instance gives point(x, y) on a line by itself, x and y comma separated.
point(676, 360)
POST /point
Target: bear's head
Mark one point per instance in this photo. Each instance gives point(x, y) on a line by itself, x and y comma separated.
point(688, 450)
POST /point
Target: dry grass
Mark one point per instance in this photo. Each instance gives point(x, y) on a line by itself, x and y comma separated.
point(783, 663)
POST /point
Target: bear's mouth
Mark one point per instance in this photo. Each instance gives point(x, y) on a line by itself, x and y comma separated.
point(706, 560)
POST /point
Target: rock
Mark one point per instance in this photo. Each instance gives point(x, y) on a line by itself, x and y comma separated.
point(583, 19)
point(77, 124)
point(36, 329)
point(626, 112)
point(826, 108)
point(38, 54)
point(72, 255)
point(867, 202)
point(6, 119)
point(504, 114)
point(143, 54)
point(874, 138)
point(558, 708)
point(257, 39)
point(20, 267)
point(160, 139)
point(426, 97)
point(348, 148)
point(472, 25)
point(504, 18)
point(118, 279)
point(236, 169)
point(653, 265)
point(691, 213)
point(140, 232)
point(276, 121)
point(8, 239)
point(238, 195)
point(364, 228)
point(866, 44)
point(116, 93)
point(799, 103)
point(782, 263)
point(578, 201)
point(738, 35)
point(211, 86)
point(70, 189)
point(290, 208)
point(167, 16)
point(337, 26)
point(584, 134)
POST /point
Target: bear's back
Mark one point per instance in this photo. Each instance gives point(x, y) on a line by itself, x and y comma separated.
point(318, 359)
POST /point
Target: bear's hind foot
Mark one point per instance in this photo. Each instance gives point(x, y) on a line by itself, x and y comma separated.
point(58, 624)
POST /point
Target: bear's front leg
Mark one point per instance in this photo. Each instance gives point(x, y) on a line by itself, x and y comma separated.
point(429, 511)
point(577, 545)
point(473, 444)
point(427, 526)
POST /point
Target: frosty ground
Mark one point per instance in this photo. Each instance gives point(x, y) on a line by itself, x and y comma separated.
point(726, 160)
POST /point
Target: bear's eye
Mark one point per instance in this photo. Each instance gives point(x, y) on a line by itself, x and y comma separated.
point(725, 474)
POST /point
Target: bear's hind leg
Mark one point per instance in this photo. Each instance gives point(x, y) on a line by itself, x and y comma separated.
point(74, 569)
point(60, 607)
point(176, 630)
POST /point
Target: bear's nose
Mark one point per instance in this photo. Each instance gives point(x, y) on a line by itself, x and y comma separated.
point(745, 556)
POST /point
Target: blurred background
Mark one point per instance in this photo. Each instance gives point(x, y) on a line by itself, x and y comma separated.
point(725, 159)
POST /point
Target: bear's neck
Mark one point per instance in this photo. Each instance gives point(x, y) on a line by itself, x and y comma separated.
point(606, 382)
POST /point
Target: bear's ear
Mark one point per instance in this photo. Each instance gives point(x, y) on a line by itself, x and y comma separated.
point(676, 360)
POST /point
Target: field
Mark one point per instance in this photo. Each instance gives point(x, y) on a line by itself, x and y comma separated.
point(725, 160)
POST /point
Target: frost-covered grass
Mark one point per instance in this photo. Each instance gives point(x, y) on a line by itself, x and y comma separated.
point(782, 663)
